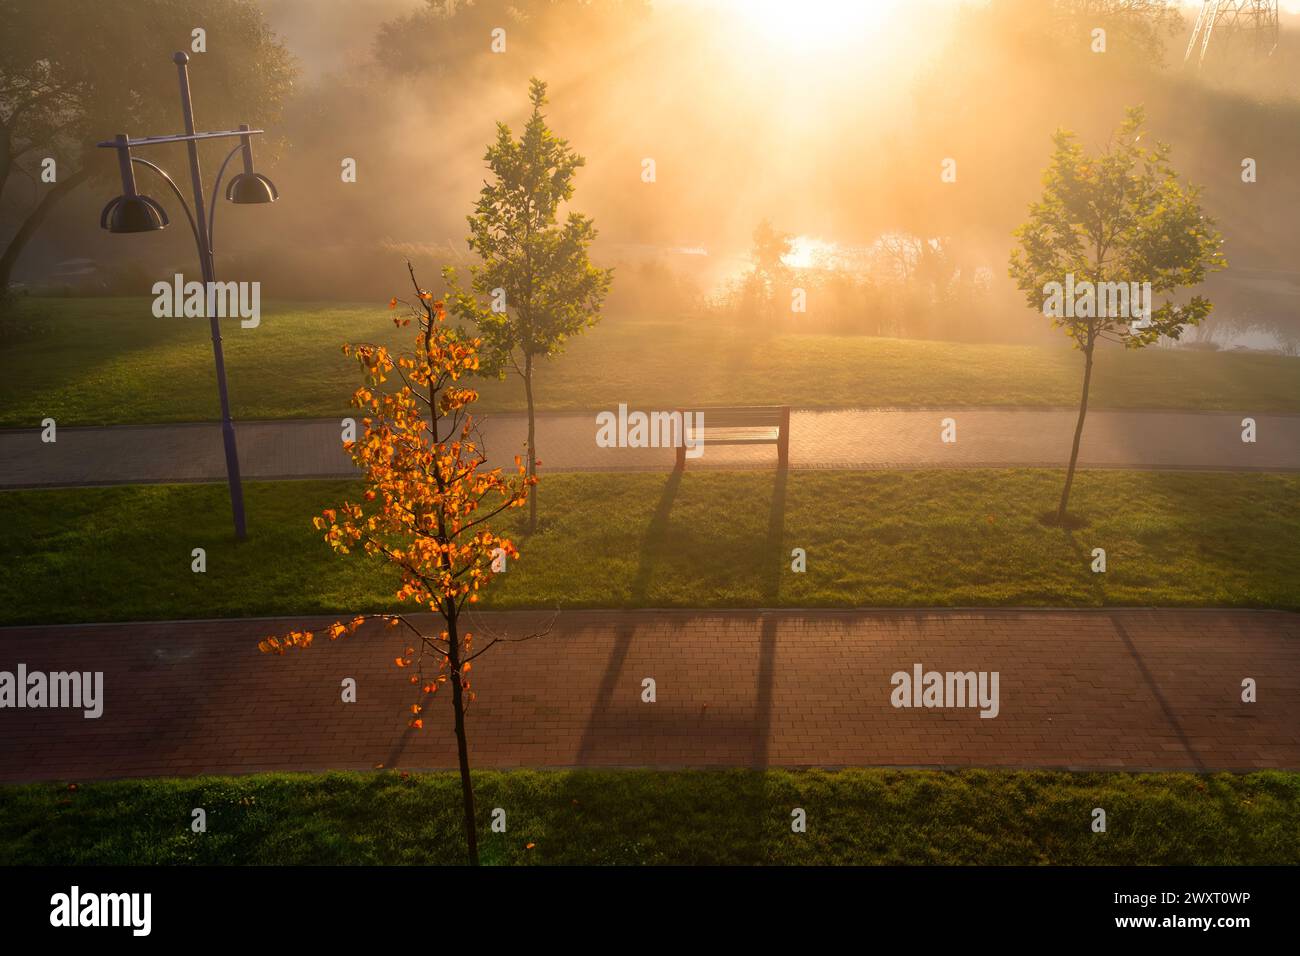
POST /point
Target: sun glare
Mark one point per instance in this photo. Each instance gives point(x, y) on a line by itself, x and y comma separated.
point(807, 252)
point(812, 26)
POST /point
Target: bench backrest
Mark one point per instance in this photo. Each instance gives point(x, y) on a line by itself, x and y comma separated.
point(742, 416)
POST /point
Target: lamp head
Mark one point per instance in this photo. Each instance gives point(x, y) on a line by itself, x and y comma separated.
point(136, 213)
point(248, 188)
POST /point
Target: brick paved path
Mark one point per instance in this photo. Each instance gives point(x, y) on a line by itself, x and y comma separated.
point(1131, 689)
point(847, 438)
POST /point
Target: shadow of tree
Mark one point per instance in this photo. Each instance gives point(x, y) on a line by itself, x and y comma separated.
point(1097, 584)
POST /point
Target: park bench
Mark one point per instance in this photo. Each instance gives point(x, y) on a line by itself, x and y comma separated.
point(740, 425)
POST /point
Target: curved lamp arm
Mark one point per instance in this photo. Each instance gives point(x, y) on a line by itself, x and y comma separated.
point(216, 189)
point(179, 196)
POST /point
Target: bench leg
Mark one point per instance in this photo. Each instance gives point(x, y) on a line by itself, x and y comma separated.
point(783, 442)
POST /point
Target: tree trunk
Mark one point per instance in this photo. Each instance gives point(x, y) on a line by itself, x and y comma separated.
point(1078, 429)
point(33, 222)
point(462, 744)
point(532, 442)
point(6, 158)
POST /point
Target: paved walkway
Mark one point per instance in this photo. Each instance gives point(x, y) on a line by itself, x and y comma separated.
point(848, 439)
point(1131, 689)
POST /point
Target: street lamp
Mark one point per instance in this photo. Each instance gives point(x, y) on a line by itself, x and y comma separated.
point(133, 212)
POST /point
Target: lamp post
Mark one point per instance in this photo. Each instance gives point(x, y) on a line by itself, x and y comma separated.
point(133, 212)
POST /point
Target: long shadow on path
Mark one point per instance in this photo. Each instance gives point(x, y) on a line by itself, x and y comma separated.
point(1159, 696)
point(612, 722)
point(653, 544)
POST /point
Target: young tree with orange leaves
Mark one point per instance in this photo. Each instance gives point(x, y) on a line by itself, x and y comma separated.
point(425, 509)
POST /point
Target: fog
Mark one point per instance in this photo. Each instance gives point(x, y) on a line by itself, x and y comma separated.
point(836, 137)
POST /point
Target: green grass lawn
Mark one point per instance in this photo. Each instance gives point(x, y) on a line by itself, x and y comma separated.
point(646, 817)
point(708, 539)
point(109, 361)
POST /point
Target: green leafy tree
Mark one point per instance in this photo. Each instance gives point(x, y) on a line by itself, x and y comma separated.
point(536, 286)
point(80, 71)
point(1113, 219)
